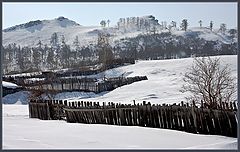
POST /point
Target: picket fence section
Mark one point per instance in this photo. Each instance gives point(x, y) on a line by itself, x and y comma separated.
point(183, 117)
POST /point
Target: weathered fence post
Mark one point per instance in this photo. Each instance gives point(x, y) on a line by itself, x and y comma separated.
point(194, 116)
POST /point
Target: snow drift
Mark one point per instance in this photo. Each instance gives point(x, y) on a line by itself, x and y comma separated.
point(20, 132)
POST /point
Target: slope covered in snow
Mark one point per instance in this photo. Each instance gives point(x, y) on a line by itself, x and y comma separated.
point(205, 33)
point(163, 84)
point(30, 33)
point(20, 97)
point(30, 36)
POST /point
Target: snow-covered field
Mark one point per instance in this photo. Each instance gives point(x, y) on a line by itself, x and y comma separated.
point(162, 86)
point(20, 132)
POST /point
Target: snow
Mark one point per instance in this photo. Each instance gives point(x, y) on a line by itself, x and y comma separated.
point(9, 84)
point(204, 33)
point(73, 95)
point(23, 74)
point(88, 34)
point(31, 36)
point(162, 86)
point(21, 132)
point(20, 97)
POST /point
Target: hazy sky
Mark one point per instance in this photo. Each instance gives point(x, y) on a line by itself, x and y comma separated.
point(93, 13)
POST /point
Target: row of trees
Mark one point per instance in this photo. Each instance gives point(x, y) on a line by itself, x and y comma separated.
point(184, 25)
point(149, 23)
point(153, 46)
point(57, 55)
point(137, 23)
point(103, 23)
point(167, 46)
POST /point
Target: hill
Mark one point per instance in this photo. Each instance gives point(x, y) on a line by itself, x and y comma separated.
point(63, 43)
point(163, 84)
point(30, 33)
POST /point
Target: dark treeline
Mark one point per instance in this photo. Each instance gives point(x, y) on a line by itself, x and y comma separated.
point(169, 46)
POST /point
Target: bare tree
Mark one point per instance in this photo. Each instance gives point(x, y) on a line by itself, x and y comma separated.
point(210, 82)
point(154, 30)
point(200, 23)
point(184, 24)
point(174, 24)
point(211, 25)
point(40, 91)
point(223, 28)
point(108, 22)
point(169, 28)
point(232, 33)
point(103, 23)
point(104, 49)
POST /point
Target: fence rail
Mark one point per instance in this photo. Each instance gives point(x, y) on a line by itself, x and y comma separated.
point(82, 84)
point(193, 119)
point(80, 71)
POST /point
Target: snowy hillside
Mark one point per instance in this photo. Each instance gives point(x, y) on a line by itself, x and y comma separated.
point(62, 43)
point(30, 33)
point(30, 36)
point(206, 34)
point(163, 84)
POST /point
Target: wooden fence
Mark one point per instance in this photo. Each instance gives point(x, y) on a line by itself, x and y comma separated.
point(80, 71)
point(183, 117)
point(82, 84)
